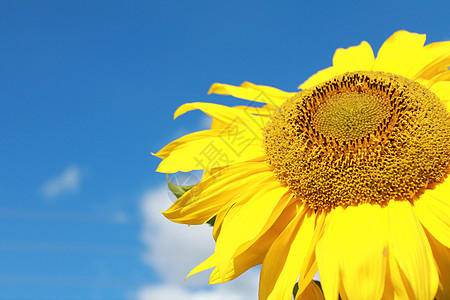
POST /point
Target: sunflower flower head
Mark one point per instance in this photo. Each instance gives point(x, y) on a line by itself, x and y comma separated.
point(360, 137)
point(347, 177)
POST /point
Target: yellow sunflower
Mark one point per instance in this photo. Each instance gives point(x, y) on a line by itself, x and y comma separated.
point(347, 177)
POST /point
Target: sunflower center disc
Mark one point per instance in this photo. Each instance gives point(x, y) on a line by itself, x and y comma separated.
point(349, 116)
point(361, 137)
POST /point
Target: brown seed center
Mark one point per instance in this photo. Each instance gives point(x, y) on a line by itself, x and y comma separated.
point(349, 115)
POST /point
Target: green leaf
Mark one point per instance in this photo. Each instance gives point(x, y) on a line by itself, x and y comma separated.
point(178, 190)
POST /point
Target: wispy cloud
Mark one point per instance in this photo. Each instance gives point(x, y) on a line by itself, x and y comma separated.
point(174, 249)
point(243, 288)
point(67, 182)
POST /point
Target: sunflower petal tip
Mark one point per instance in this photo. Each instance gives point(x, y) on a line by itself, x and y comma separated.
point(164, 213)
point(403, 32)
point(159, 155)
point(178, 112)
point(160, 169)
point(194, 271)
point(213, 88)
point(214, 278)
point(190, 274)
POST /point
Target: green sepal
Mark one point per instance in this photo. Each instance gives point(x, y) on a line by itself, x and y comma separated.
point(178, 190)
point(295, 289)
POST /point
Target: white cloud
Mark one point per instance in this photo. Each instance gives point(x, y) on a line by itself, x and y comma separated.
point(174, 249)
point(243, 288)
point(66, 182)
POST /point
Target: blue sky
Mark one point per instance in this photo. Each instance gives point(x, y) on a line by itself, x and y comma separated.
point(87, 92)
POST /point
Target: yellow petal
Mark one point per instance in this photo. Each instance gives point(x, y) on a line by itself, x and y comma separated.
point(220, 217)
point(319, 77)
point(253, 254)
point(209, 263)
point(356, 58)
point(282, 264)
point(356, 239)
point(399, 53)
point(433, 211)
point(248, 219)
point(443, 76)
point(309, 273)
point(213, 152)
point(311, 292)
point(388, 293)
point(240, 140)
point(442, 90)
point(260, 115)
point(218, 124)
point(342, 292)
point(434, 59)
point(192, 137)
point(442, 257)
point(398, 286)
point(410, 250)
point(327, 261)
point(212, 171)
point(309, 266)
point(271, 91)
point(230, 115)
point(245, 93)
point(205, 199)
point(265, 111)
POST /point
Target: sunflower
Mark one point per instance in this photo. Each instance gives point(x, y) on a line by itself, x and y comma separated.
point(347, 177)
